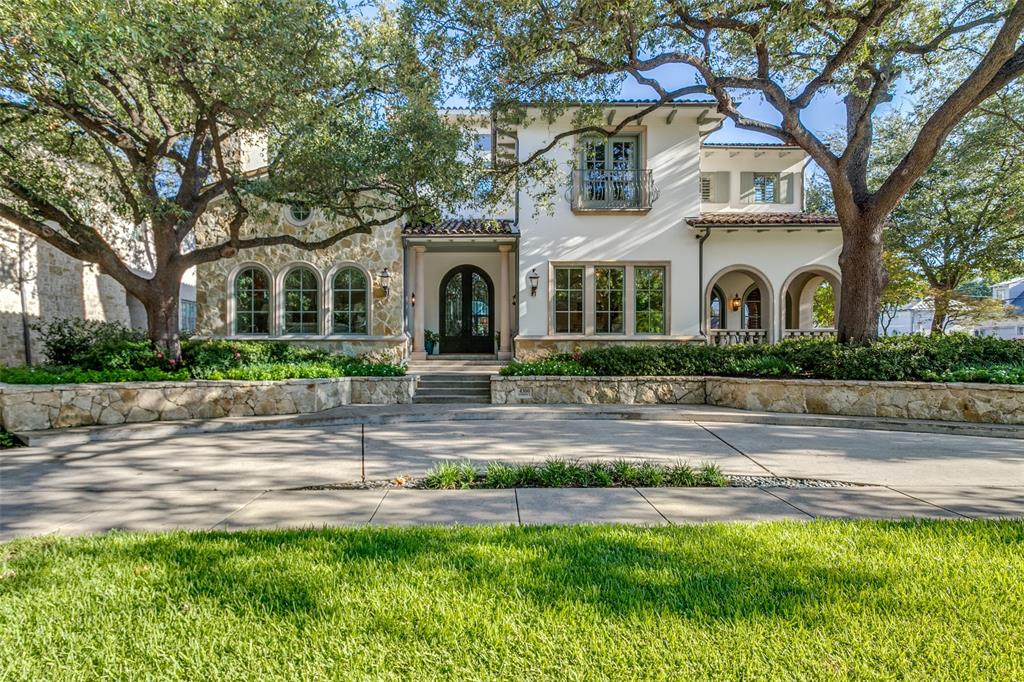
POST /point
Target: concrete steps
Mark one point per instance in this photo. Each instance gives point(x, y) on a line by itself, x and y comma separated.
point(454, 379)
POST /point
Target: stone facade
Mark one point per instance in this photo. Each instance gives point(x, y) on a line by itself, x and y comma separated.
point(956, 402)
point(598, 390)
point(31, 408)
point(370, 252)
point(530, 349)
point(56, 286)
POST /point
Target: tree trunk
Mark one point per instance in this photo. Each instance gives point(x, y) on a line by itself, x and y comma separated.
point(864, 280)
point(162, 314)
point(940, 305)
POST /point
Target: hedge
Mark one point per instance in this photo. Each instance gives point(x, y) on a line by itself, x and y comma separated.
point(953, 357)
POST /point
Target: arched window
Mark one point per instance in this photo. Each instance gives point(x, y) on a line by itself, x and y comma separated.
point(717, 309)
point(752, 309)
point(351, 302)
point(252, 302)
point(301, 302)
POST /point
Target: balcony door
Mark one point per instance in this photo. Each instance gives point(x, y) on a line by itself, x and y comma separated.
point(611, 171)
point(467, 311)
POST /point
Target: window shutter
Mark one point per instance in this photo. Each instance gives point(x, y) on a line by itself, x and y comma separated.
point(721, 187)
point(786, 182)
point(707, 187)
point(747, 188)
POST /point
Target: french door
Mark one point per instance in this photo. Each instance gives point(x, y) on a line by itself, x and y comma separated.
point(467, 311)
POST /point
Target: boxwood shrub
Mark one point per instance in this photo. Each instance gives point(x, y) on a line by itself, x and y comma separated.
point(951, 357)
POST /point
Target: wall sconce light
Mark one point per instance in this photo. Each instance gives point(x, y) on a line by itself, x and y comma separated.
point(534, 281)
point(412, 299)
point(735, 303)
point(385, 281)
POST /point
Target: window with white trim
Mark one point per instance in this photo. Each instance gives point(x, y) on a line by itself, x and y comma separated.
point(301, 302)
point(569, 300)
point(350, 312)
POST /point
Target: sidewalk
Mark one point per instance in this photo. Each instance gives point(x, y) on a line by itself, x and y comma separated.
point(79, 512)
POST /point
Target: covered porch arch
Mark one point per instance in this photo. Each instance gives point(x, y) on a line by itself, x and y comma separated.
point(739, 308)
point(797, 302)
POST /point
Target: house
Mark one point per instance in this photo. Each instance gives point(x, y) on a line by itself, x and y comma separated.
point(1011, 293)
point(40, 283)
point(912, 318)
point(655, 236)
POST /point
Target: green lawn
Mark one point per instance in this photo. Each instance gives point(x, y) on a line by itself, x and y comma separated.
point(864, 600)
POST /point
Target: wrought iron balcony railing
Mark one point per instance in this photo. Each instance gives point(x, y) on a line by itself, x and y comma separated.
point(612, 189)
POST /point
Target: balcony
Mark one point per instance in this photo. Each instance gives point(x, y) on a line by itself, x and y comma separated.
point(612, 190)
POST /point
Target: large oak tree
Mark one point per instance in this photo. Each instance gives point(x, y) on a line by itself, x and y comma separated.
point(789, 54)
point(120, 125)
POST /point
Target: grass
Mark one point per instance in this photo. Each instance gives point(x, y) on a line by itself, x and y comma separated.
point(563, 473)
point(777, 601)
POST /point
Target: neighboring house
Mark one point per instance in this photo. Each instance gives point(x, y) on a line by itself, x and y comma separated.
point(656, 237)
point(913, 318)
point(39, 283)
point(1011, 293)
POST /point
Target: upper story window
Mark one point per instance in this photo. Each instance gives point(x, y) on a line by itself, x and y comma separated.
point(483, 142)
point(767, 188)
point(714, 187)
point(299, 214)
point(611, 174)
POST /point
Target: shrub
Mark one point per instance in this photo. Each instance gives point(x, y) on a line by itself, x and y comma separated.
point(598, 475)
point(709, 474)
point(91, 344)
point(450, 475)
point(649, 475)
point(624, 472)
point(558, 473)
point(680, 474)
point(7, 440)
point(499, 475)
point(74, 375)
point(950, 357)
point(274, 372)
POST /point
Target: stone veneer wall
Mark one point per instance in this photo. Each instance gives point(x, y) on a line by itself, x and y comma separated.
point(958, 402)
point(373, 252)
point(597, 390)
point(57, 286)
point(31, 408)
point(529, 349)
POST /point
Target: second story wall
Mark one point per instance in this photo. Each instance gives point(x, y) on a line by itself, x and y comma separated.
point(765, 178)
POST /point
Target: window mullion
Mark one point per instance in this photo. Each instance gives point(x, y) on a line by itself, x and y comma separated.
point(589, 301)
point(630, 302)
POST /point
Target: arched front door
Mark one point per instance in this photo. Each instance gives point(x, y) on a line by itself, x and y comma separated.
point(467, 311)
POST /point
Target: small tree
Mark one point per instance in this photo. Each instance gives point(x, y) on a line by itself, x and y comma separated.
point(786, 54)
point(904, 287)
point(122, 125)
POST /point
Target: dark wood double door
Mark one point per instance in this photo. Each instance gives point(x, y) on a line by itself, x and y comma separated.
point(467, 311)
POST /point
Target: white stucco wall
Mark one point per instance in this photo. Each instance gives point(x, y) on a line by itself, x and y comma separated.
point(437, 264)
point(737, 160)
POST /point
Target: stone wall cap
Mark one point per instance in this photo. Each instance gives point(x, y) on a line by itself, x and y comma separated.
point(933, 385)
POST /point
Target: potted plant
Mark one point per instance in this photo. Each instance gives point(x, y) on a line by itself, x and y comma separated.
point(430, 341)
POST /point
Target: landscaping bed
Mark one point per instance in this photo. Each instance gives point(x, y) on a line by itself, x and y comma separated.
point(562, 473)
point(936, 600)
point(940, 358)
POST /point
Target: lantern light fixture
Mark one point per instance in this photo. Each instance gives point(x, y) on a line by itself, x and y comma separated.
point(534, 281)
point(735, 303)
point(385, 281)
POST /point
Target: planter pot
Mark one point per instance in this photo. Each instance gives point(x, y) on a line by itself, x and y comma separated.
point(429, 345)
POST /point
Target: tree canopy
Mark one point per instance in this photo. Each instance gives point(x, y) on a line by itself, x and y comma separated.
point(787, 54)
point(121, 123)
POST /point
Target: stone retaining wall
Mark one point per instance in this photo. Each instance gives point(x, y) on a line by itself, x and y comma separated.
point(38, 407)
point(957, 402)
point(597, 390)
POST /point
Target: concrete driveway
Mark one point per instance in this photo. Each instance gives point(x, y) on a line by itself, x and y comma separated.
point(204, 480)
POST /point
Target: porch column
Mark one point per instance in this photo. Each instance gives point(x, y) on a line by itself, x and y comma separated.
point(418, 351)
point(504, 312)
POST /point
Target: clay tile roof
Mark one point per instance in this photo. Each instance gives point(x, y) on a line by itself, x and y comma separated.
point(465, 227)
point(756, 219)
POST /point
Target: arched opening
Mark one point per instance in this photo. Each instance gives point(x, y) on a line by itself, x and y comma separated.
point(467, 311)
point(738, 307)
point(251, 292)
point(350, 309)
point(301, 301)
point(811, 297)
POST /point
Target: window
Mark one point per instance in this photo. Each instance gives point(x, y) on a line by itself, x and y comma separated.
point(301, 302)
point(610, 175)
point(752, 309)
point(252, 302)
point(187, 321)
point(649, 287)
point(569, 300)
point(766, 188)
point(350, 310)
point(717, 309)
point(299, 214)
point(609, 299)
point(706, 187)
point(482, 143)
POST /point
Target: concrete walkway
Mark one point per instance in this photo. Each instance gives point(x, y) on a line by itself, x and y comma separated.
point(252, 479)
